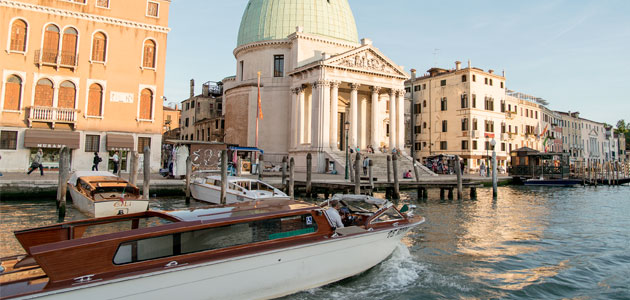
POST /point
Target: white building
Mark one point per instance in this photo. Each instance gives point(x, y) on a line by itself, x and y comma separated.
point(315, 76)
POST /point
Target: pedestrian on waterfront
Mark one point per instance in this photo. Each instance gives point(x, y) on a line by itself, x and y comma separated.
point(96, 161)
point(482, 169)
point(333, 214)
point(0, 159)
point(37, 163)
point(366, 163)
point(116, 161)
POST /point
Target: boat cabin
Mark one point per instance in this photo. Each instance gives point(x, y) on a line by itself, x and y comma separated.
point(103, 187)
point(527, 163)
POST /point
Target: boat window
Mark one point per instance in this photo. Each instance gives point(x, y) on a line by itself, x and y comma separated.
point(215, 238)
point(120, 226)
point(390, 214)
point(243, 184)
point(235, 187)
point(259, 186)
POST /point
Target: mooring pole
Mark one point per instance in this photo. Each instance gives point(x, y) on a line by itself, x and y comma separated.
point(284, 172)
point(415, 168)
point(291, 190)
point(64, 169)
point(261, 163)
point(371, 163)
point(458, 171)
point(389, 171)
point(147, 173)
point(188, 175)
point(224, 177)
point(309, 169)
point(494, 174)
point(357, 175)
point(396, 184)
point(133, 175)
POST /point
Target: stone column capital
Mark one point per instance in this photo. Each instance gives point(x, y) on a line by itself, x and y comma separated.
point(297, 90)
point(401, 92)
point(321, 84)
point(376, 89)
point(335, 84)
point(355, 86)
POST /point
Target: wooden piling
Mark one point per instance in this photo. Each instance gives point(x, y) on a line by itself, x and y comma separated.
point(291, 190)
point(62, 189)
point(357, 174)
point(284, 172)
point(370, 165)
point(458, 171)
point(188, 175)
point(425, 194)
point(389, 171)
point(420, 192)
point(473, 193)
point(395, 173)
point(450, 194)
point(309, 169)
point(146, 173)
point(224, 177)
point(442, 194)
point(133, 173)
point(261, 164)
point(415, 170)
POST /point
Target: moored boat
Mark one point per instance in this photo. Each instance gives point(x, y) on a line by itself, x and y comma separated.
point(553, 182)
point(101, 194)
point(253, 250)
point(239, 189)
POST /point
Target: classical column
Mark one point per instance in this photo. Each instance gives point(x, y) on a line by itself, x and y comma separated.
point(363, 129)
point(400, 117)
point(301, 117)
point(354, 118)
point(392, 119)
point(293, 128)
point(319, 117)
point(324, 122)
point(374, 118)
point(334, 113)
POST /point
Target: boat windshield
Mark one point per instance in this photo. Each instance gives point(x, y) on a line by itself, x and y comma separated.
point(114, 189)
point(259, 186)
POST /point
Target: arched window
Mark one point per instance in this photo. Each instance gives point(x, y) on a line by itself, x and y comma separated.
point(99, 46)
point(12, 93)
point(51, 44)
point(44, 93)
point(69, 47)
point(95, 99)
point(146, 104)
point(18, 36)
point(67, 92)
point(149, 54)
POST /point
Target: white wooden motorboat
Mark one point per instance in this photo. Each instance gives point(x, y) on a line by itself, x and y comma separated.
point(102, 194)
point(239, 189)
point(250, 250)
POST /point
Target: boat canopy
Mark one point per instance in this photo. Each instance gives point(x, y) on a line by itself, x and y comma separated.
point(78, 174)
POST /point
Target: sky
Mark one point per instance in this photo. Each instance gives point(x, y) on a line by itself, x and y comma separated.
point(573, 53)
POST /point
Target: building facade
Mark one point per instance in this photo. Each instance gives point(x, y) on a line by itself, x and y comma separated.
point(86, 74)
point(315, 76)
point(202, 118)
point(171, 117)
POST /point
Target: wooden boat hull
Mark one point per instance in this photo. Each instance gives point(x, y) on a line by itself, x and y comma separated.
point(560, 182)
point(100, 209)
point(208, 193)
point(262, 275)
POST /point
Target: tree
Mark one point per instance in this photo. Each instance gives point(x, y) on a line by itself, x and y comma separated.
point(621, 127)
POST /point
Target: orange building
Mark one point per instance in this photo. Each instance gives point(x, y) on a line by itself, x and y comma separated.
point(171, 118)
point(86, 74)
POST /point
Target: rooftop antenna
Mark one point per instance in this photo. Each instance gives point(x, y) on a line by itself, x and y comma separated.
point(436, 53)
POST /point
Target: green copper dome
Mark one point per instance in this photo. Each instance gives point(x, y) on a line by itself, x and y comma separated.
point(276, 19)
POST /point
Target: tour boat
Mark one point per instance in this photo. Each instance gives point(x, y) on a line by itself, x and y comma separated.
point(239, 189)
point(101, 194)
point(250, 250)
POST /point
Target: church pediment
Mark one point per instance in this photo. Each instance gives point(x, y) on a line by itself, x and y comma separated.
point(366, 59)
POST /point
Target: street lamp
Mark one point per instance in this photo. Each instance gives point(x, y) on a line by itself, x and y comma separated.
point(346, 127)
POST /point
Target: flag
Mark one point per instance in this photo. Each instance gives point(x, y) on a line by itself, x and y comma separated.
point(260, 113)
point(544, 131)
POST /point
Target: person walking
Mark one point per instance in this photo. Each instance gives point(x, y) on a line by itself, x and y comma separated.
point(366, 164)
point(116, 161)
point(482, 169)
point(96, 161)
point(37, 163)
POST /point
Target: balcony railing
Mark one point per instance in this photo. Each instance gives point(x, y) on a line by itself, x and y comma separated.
point(52, 115)
point(55, 59)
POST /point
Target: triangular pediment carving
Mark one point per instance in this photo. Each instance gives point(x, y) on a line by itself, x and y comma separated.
point(368, 59)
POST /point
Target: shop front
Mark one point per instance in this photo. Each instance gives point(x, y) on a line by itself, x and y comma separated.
point(121, 144)
point(50, 141)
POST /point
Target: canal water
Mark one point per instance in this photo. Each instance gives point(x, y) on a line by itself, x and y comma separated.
point(530, 243)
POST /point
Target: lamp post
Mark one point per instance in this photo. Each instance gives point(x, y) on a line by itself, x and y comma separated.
point(487, 157)
point(494, 169)
point(346, 127)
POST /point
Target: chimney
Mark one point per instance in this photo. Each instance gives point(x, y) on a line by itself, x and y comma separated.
point(365, 42)
point(491, 71)
point(458, 65)
point(413, 75)
point(504, 73)
point(192, 88)
point(299, 29)
point(469, 64)
point(205, 89)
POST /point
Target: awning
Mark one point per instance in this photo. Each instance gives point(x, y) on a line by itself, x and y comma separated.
point(34, 138)
point(119, 142)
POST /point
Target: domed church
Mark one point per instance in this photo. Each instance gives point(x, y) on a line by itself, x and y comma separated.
point(316, 79)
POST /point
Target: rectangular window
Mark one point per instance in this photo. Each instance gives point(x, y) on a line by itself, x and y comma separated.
point(474, 124)
point(242, 69)
point(474, 78)
point(444, 126)
point(153, 9)
point(102, 3)
point(465, 124)
point(474, 145)
point(502, 86)
point(464, 101)
point(487, 146)
point(503, 147)
point(418, 129)
point(418, 146)
point(443, 104)
point(443, 82)
point(424, 86)
point(464, 145)
point(8, 140)
point(278, 66)
point(192, 104)
point(443, 145)
point(143, 142)
point(186, 124)
point(418, 108)
point(464, 79)
point(474, 100)
point(490, 81)
point(92, 143)
point(485, 81)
